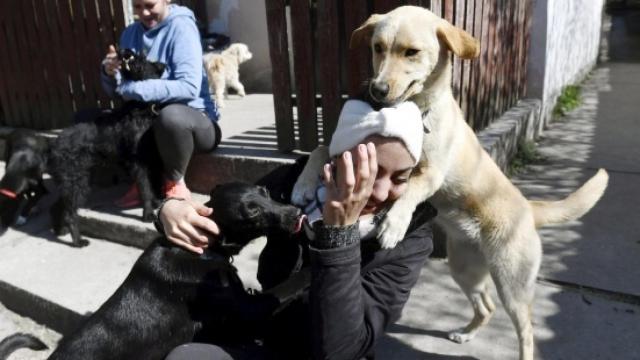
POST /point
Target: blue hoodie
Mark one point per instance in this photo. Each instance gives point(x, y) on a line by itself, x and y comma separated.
point(175, 42)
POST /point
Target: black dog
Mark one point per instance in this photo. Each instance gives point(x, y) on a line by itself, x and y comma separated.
point(173, 296)
point(119, 135)
point(22, 185)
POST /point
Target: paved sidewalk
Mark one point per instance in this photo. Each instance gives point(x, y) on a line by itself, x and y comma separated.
point(587, 302)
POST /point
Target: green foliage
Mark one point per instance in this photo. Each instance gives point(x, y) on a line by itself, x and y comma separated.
point(527, 154)
point(568, 100)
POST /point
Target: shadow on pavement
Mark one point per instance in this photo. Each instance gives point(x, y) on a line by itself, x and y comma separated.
point(391, 348)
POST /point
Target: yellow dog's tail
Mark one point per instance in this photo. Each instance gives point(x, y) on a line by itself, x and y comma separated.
point(574, 205)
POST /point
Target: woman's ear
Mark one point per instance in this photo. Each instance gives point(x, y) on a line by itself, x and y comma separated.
point(458, 41)
point(364, 32)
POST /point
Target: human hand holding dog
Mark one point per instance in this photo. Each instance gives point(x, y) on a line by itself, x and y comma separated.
point(350, 187)
point(111, 62)
point(187, 224)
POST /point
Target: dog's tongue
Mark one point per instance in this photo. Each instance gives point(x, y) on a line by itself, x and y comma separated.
point(299, 223)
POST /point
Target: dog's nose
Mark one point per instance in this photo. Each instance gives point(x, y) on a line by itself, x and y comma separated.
point(379, 91)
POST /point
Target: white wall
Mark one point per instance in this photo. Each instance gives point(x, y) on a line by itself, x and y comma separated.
point(245, 21)
point(565, 36)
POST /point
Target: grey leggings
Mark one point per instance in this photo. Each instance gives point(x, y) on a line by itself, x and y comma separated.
point(179, 131)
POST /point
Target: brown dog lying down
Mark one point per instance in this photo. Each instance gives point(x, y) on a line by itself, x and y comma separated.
point(173, 296)
point(490, 225)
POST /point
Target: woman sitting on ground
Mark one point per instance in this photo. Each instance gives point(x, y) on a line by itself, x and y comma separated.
point(357, 289)
point(188, 117)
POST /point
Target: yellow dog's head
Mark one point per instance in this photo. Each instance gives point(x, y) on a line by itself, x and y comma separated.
point(409, 44)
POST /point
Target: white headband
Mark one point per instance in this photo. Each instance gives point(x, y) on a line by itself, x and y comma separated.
point(358, 120)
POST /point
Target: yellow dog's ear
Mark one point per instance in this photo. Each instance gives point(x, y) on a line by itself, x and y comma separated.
point(364, 32)
point(458, 41)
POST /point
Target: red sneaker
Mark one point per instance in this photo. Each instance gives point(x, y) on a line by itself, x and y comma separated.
point(130, 199)
point(176, 189)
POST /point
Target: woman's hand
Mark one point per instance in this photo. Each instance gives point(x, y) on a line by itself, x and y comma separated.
point(349, 192)
point(111, 63)
point(186, 224)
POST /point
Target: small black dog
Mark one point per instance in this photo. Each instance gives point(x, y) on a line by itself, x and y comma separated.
point(22, 185)
point(119, 135)
point(173, 296)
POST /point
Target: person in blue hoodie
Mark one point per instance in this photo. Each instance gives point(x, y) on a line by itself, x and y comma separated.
point(187, 122)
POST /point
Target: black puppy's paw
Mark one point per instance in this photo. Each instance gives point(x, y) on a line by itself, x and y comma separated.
point(61, 231)
point(148, 216)
point(80, 243)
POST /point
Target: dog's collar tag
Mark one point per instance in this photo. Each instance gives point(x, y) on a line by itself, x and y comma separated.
point(426, 122)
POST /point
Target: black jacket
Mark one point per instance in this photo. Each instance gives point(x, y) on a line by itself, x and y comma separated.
point(356, 290)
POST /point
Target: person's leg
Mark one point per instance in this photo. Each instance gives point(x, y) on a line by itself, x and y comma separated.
point(180, 131)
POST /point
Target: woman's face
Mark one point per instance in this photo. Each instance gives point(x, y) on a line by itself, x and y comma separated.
point(394, 167)
point(151, 12)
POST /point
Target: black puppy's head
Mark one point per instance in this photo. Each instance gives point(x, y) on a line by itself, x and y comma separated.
point(136, 67)
point(10, 204)
point(244, 212)
point(21, 186)
point(19, 193)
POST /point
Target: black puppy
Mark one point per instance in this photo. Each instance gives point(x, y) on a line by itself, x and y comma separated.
point(22, 185)
point(173, 296)
point(118, 135)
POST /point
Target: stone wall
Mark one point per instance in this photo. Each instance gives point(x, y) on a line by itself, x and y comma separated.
point(565, 36)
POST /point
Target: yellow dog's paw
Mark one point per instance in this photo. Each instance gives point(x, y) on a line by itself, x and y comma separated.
point(393, 228)
point(461, 335)
point(304, 191)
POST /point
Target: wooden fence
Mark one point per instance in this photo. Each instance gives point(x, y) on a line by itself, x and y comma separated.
point(49, 66)
point(324, 71)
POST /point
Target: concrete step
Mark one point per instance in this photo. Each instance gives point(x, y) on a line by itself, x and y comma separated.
point(58, 285)
point(11, 322)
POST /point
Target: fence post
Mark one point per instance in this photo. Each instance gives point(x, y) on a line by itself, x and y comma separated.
point(329, 58)
point(304, 69)
point(281, 78)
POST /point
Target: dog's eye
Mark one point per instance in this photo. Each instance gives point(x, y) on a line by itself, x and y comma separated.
point(252, 210)
point(377, 48)
point(411, 52)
